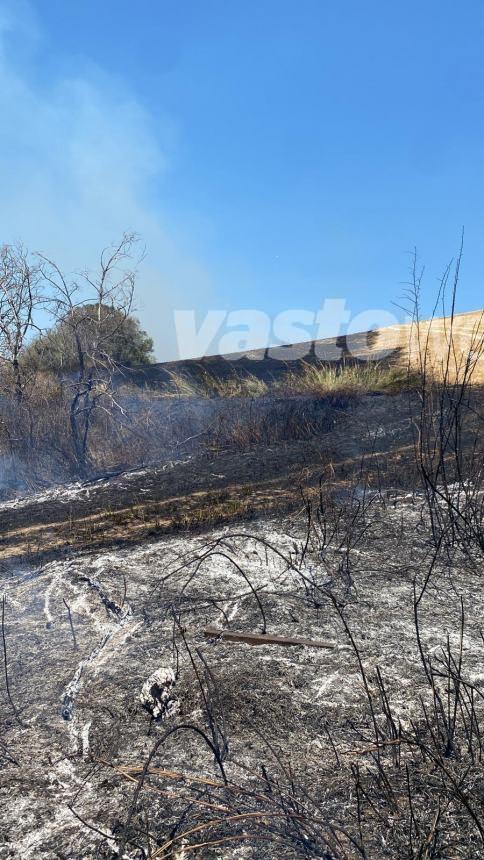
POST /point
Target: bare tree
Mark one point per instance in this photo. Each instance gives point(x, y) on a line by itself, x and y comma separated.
point(448, 421)
point(91, 309)
point(19, 297)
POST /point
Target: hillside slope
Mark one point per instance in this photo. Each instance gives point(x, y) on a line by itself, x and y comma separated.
point(399, 344)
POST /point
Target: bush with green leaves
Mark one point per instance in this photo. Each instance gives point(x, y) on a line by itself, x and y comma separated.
point(123, 340)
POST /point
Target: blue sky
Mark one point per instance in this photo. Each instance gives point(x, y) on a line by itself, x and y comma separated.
point(272, 154)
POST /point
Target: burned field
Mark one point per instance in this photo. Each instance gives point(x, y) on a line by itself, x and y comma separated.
point(269, 645)
point(269, 455)
point(241, 596)
point(129, 732)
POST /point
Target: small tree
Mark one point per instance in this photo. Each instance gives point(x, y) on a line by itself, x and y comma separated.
point(124, 342)
point(91, 313)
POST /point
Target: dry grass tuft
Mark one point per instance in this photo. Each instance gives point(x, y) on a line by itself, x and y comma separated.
point(362, 378)
point(307, 377)
point(209, 385)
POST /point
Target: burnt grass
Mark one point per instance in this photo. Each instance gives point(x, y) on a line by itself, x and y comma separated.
point(371, 748)
point(254, 463)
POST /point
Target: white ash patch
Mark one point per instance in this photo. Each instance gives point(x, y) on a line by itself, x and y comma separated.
point(59, 575)
point(233, 612)
point(82, 490)
point(62, 493)
point(157, 694)
point(115, 636)
point(291, 692)
point(85, 738)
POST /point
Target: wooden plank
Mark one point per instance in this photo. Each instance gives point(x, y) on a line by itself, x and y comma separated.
point(264, 638)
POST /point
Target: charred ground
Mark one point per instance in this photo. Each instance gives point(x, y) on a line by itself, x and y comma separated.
point(352, 518)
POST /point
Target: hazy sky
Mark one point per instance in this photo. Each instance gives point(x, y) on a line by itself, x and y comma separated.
point(272, 154)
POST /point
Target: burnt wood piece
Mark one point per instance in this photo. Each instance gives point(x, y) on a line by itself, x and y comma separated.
point(264, 638)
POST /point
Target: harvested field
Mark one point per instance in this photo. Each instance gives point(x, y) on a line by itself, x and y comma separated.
point(397, 345)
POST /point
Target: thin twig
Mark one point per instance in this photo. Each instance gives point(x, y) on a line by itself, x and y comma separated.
point(71, 623)
point(7, 685)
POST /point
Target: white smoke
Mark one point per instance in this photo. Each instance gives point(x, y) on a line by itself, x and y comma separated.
point(81, 161)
